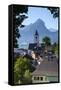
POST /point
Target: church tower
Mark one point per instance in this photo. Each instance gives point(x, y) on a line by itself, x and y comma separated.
point(36, 38)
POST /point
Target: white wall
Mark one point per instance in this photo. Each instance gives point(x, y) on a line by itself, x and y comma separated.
point(4, 44)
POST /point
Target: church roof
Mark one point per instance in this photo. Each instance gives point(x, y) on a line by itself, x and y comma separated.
point(32, 45)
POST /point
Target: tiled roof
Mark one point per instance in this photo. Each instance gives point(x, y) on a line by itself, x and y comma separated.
point(47, 68)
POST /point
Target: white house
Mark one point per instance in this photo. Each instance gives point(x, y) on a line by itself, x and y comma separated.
point(47, 71)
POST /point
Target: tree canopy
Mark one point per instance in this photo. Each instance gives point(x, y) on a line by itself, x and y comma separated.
point(55, 48)
point(54, 11)
point(46, 40)
point(22, 71)
point(18, 17)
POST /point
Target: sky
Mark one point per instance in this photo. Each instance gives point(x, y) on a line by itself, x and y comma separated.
point(45, 15)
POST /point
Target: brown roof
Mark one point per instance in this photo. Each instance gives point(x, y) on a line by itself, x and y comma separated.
point(47, 68)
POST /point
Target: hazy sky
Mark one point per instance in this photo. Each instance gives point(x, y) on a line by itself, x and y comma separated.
point(44, 14)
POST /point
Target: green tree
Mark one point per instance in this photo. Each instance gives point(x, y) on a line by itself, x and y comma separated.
point(54, 11)
point(18, 18)
point(47, 41)
point(55, 48)
point(27, 77)
point(22, 71)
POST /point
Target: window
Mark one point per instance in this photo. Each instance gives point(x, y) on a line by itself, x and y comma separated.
point(36, 78)
point(41, 78)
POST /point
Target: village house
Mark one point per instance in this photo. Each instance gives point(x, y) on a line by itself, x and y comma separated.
point(46, 72)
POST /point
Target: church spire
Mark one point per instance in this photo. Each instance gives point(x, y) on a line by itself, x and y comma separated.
point(36, 33)
point(36, 37)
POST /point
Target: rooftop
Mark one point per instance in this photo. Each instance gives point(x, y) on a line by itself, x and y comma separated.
point(47, 68)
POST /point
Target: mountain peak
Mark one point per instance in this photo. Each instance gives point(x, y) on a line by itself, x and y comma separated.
point(39, 21)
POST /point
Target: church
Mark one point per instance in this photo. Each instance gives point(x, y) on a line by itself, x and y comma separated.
point(32, 46)
point(36, 46)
